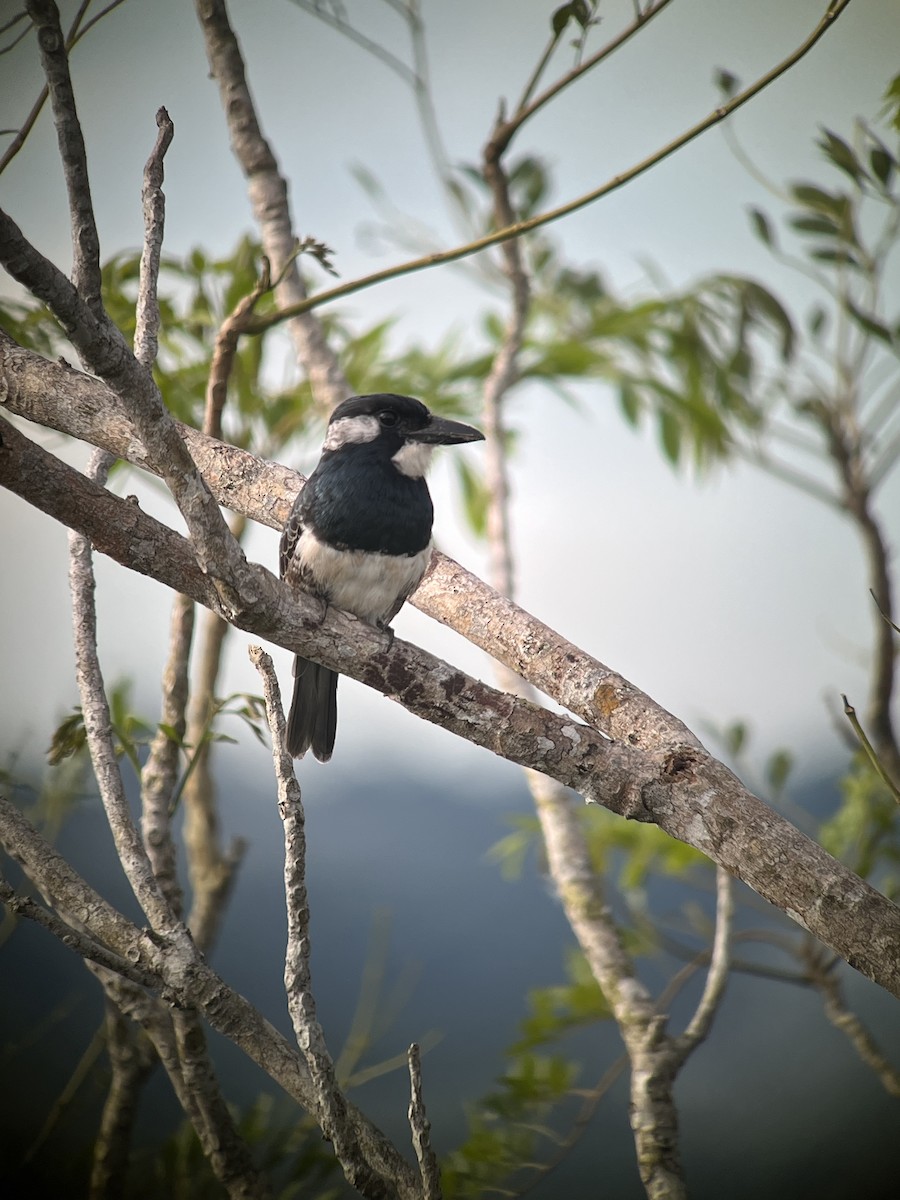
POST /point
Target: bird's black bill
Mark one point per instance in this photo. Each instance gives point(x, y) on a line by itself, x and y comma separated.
point(441, 432)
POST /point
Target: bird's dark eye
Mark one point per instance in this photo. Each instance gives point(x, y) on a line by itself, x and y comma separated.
point(388, 418)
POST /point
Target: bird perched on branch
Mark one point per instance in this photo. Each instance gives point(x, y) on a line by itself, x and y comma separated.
point(359, 534)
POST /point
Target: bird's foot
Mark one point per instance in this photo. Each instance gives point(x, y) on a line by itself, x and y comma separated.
point(320, 611)
point(383, 627)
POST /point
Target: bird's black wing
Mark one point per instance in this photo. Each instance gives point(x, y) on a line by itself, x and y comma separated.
point(290, 535)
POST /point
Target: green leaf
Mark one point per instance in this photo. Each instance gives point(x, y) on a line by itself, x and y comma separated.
point(734, 738)
point(68, 738)
point(670, 436)
point(817, 320)
point(762, 227)
point(816, 225)
point(778, 768)
point(841, 154)
point(811, 196)
point(892, 103)
point(837, 256)
point(882, 164)
point(577, 10)
point(630, 401)
point(726, 82)
point(869, 323)
point(475, 496)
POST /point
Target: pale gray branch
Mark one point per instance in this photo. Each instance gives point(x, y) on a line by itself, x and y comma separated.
point(160, 772)
point(131, 1060)
point(331, 1105)
point(146, 333)
point(102, 347)
point(269, 199)
point(717, 973)
point(420, 1127)
point(188, 981)
point(85, 239)
point(98, 726)
point(82, 943)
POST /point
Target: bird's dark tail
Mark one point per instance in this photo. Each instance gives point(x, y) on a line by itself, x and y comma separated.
point(312, 723)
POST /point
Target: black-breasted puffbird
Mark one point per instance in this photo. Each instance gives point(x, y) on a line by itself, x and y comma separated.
point(359, 534)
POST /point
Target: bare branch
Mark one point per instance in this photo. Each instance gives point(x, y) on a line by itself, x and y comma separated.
point(102, 347)
point(146, 332)
point(427, 261)
point(188, 983)
point(717, 975)
point(212, 870)
point(202, 1100)
point(828, 985)
point(98, 726)
point(869, 749)
point(85, 239)
point(269, 198)
point(331, 1104)
point(421, 1130)
point(82, 943)
point(75, 34)
point(225, 349)
point(131, 1060)
point(527, 107)
point(160, 772)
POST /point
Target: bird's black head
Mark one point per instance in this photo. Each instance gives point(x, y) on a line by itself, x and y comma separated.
point(400, 425)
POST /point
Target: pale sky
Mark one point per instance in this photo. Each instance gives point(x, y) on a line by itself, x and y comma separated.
point(731, 598)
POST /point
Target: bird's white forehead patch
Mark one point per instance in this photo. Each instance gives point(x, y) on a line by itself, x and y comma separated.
point(413, 459)
point(363, 428)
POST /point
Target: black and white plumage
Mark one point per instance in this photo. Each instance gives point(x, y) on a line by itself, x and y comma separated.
point(359, 534)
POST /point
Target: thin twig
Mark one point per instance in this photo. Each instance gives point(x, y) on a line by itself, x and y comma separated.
point(66, 1097)
point(420, 1127)
point(717, 975)
point(225, 349)
point(75, 34)
point(188, 983)
point(85, 238)
point(842, 1018)
point(870, 751)
point(146, 333)
point(82, 943)
point(160, 773)
point(427, 261)
point(527, 108)
point(269, 198)
point(331, 1104)
point(131, 1059)
point(98, 726)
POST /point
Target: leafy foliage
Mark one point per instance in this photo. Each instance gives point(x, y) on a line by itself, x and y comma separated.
point(865, 831)
point(288, 1149)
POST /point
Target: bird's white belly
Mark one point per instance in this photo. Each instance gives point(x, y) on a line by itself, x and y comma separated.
point(367, 585)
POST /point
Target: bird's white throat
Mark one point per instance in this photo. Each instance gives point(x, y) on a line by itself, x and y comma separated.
point(413, 459)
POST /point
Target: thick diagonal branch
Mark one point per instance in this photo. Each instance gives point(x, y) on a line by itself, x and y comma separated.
point(684, 790)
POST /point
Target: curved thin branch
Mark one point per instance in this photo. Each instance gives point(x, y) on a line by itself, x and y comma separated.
point(507, 130)
point(85, 239)
point(147, 316)
point(98, 728)
point(515, 230)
